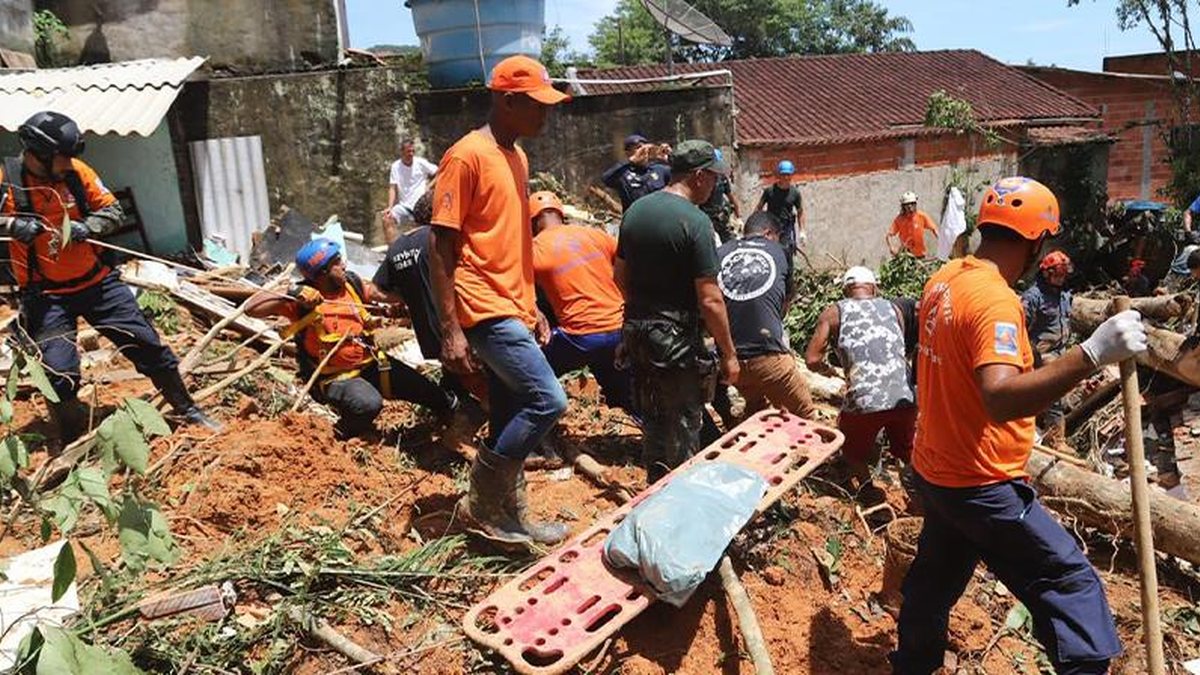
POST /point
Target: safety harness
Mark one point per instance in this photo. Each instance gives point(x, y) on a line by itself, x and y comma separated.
point(14, 183)
point(327, 340)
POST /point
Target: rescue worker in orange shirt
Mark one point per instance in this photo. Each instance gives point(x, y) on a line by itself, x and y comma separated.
point(909, 227)
point(329, 310)
point(481, 266)
point(573, 265)
point(978, 394)
point(63, 280)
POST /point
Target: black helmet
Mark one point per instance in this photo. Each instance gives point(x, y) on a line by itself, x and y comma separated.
point(50, 133)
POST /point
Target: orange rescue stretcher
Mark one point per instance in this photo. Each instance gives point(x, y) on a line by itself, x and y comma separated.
point(557, 611)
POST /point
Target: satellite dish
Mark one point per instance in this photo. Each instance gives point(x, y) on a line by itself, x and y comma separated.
point(687, 22)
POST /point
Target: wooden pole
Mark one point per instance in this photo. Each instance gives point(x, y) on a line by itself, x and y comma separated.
point(747, 620)
point(1131, 397)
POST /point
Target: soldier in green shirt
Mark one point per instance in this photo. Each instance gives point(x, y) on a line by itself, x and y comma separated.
point(667, 267)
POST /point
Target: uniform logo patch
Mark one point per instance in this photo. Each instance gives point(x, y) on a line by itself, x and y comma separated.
point(1006, 339)
point(746, 274)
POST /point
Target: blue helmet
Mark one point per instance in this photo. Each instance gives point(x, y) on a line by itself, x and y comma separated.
point(315, 256)
point(785, 168)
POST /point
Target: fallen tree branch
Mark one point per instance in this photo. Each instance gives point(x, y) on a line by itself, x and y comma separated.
point(324, 633)
point(189, 361)
point(254, 365)
point(747, 619)
point(1103, 503)
point(317, 373)
point(1087, 313)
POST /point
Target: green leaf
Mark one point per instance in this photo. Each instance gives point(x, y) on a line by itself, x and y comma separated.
point(13, 456)
point(46, 530)
point(64, 571)
point(14, 381)
point(98, 566)
point(63, 653)
point(119, 434)
point(6, 410)
point(28, 652)
point(93, 483)
point(144, 534)
point(147, 417)
point(38, 375)
point(66, 504)
point(1017, 617)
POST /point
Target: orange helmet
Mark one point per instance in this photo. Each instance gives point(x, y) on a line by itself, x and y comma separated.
point(1055, 259)
point(1021, 204)
point(540, 201)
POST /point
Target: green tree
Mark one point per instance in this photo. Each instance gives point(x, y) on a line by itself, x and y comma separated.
point(758, 28)
point(557, 53)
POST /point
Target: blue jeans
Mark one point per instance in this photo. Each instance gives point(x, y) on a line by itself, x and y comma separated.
point(597, 351)
point(1006, 527)
point(525, 396)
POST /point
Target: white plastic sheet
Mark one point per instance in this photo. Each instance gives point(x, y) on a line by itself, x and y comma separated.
point(25, 599)
point(954, 223)
point(677, 536)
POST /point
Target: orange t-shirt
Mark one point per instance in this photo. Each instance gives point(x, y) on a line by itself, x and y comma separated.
point(969, 318)
point(482, 193)
point(339, 316)
point(911, 227)
point(573, 264)
point(77, 261)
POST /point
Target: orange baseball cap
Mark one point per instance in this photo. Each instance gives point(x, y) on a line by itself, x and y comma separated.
point(540, 201)
point(524, 75)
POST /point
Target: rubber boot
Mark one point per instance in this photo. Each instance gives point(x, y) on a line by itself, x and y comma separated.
point(547, 534)
point(176, 394)
point(70, 417)
point(487, 502)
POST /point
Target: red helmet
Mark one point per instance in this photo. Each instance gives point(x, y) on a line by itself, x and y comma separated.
point(1055, 259)
point(1021, 204)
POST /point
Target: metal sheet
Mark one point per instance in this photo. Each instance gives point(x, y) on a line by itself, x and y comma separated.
point(231, 190)
point(130, 97)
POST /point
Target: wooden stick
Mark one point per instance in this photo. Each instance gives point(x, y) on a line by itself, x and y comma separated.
point(189, 361)
point(1131, 397)
point(323, 632)
point(312, 379)
point(254, 365)
point(1057, 454)
point(747, 620)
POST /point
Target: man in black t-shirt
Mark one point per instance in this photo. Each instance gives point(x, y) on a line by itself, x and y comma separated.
point(403, 278)
point(753, 278)
point(720, 206)
point(667, 266)
point(783, 201)
point(644, 172)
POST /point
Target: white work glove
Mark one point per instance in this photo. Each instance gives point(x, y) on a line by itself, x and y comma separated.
point(1117, 339)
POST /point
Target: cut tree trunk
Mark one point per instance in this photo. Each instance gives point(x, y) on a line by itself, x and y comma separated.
point(1087, 313)
point(1104, 503)
point(1166, 352)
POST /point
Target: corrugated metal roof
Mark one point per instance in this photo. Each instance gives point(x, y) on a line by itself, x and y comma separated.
point(129, 97)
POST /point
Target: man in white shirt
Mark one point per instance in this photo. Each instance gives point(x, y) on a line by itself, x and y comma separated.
point(409, 178)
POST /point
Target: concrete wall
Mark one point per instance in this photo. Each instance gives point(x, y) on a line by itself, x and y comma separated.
point(236, 35)
point(848, 216)
point(584, 137)
point(16, 25)
point(329, 137)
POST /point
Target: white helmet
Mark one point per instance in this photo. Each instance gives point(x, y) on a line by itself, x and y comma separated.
point(909, 197)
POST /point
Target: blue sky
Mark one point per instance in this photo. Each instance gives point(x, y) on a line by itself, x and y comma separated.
point(1046, 31)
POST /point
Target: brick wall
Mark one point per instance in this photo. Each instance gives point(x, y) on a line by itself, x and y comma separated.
point(816, 162)
point(1137, 111)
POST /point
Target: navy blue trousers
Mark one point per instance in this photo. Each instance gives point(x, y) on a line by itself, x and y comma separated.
point(1006, 527)
point(111, 309)
point(597, 351)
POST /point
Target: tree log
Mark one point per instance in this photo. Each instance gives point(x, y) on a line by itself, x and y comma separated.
point(1104, 503)
point(1087, 313)
point(1167, 352)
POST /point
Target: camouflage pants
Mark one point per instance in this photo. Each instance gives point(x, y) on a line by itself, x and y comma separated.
point(670, 402)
